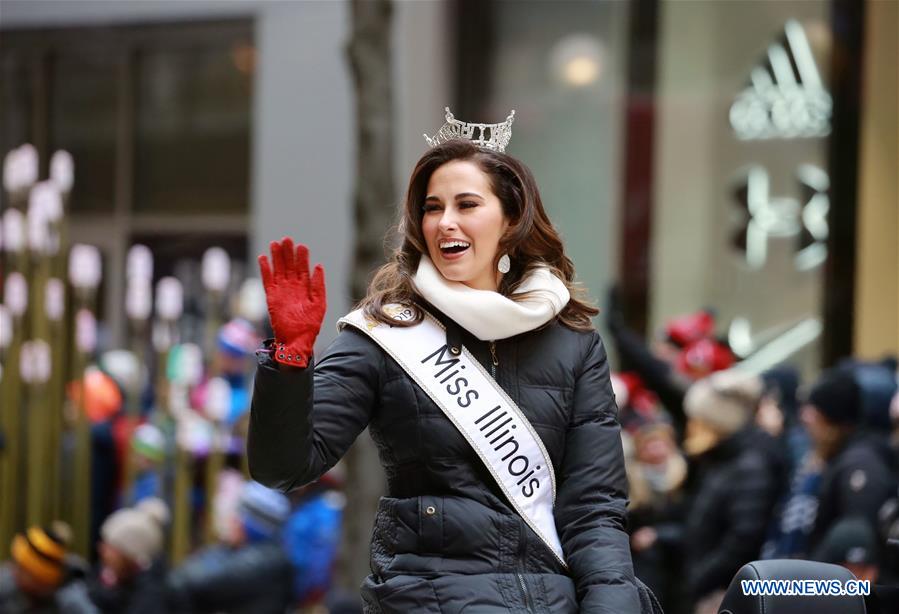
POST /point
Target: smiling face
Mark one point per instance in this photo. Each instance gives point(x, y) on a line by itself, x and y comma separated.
point(462, 224)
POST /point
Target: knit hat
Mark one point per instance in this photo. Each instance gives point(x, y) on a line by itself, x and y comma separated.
point(699, 358)
point(725, 401)
point(238, 338)
point(263, 511)
point(41, 551)
point(851, 540)
point(837, 396)
point(690, 328)
point(102, 395)
point(149, 441)
point(138, 532)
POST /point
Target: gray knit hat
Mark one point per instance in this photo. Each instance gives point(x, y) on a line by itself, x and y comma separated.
point(138, 532)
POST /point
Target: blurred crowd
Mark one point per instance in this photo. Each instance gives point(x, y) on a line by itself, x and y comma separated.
point(273, 554)
point(265, 552)
point(728, 466)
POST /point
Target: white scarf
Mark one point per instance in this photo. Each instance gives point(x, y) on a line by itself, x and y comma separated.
point(489, 315)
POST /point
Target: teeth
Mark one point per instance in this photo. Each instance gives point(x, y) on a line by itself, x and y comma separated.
point(446, 244)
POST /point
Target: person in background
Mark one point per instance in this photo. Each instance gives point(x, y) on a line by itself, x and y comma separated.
point(856, 478)
point(735, 486)
point(131, 576)
point(684, 351)
point(149, 449)
point(236, 343)
point(250, 572)
point(42, 577)
point(778, 413)
point(656, 472)
point(312, 536)
point(851, 543)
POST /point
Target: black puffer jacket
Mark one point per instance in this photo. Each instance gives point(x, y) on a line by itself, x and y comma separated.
point(254, 579)
point(857, 481)
point(735, 491)
point(445, 540)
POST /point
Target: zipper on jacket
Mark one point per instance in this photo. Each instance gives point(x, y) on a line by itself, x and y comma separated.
point(522, 561)
point(495, 361)
point(524, 591)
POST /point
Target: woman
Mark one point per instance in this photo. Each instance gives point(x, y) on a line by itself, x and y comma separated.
point(480, 255)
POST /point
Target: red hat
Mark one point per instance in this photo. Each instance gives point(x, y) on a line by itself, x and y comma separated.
point(687, 329)
point(703, 357)
point(102, 397)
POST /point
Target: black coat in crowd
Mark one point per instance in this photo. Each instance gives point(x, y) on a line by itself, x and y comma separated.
point(736, 487)
point(445, 538)
point(143, 594)
point(856, 481)
point(256, 578)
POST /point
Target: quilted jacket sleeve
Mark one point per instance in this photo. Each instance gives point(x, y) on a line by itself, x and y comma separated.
point(303, 421)
point(591, 500)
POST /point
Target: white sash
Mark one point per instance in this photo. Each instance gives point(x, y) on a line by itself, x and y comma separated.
point(491, 422)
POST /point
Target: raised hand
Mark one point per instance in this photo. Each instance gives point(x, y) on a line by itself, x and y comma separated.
point(296, 301)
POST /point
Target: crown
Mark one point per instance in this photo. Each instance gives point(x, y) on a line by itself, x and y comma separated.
point(490, 136)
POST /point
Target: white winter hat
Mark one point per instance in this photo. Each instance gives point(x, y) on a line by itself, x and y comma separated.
point(138, 532)
point(725, 400)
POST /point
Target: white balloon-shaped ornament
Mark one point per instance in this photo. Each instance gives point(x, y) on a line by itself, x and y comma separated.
point(9, 171)
point(191, 367)
point(252, 304)
point(194, 434)
point(28, 162)
point(85, 331)
point(62, 170)
point(218, 399)
point(216, 269)
point(38, 227)
point(13, 230)
point(15, 291)
point(46, 195)
point(162, 336)
point(20, 168)
point(169, 298)
point(138, 299)
point(140, 263)
point(40, 357)
point(34, 362)
point(55, 299)
point(124, 367)
point(5, 327)
point(85, 267)
point(26, 366)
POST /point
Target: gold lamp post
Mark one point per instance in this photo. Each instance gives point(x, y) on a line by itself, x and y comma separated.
point(138, 306)
point(173, 391)
point(20, 169)
point(217, 406)
point(44, 209)
point(216, 274)
point(62, 175)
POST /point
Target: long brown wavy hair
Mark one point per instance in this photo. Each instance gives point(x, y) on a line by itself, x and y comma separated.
point(530, 241)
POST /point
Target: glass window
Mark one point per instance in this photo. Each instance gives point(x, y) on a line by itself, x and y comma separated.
point(193, 126)
point(16, 98)
point(84, 121)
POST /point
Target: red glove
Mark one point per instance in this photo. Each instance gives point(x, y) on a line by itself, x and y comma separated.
point(296, 303)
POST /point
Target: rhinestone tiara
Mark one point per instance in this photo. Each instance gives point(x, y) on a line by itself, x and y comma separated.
point(490, 136)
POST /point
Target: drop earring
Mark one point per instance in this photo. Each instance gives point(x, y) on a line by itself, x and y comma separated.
point(504, 264)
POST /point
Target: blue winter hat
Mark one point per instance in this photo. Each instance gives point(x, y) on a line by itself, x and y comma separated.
point(238, 338)
point(263, 511)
